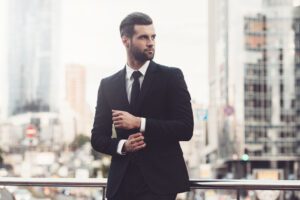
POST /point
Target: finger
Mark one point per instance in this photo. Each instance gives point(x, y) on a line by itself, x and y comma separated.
point(117, 118)
point(118, 122)
point(137, 144)
point(116, 114)
point(119, 125)
point(134, 135)
point(140, 147)
point(137, 139)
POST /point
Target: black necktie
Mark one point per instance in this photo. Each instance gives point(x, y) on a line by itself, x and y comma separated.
point(135, 90)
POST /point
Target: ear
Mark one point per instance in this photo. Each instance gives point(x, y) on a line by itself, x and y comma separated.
point(126, 41)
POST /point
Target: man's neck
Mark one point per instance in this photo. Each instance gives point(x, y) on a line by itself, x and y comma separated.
point(136, 65)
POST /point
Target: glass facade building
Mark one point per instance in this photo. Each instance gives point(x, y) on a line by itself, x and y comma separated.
point(33, 49)
point(257, 119)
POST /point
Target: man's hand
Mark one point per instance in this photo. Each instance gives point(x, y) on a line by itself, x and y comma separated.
point(125, 120)
point(134, 143)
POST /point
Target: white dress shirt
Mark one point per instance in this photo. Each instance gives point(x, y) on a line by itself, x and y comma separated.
point(129, 81)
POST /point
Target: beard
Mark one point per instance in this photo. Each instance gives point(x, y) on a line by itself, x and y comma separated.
point(142, 55)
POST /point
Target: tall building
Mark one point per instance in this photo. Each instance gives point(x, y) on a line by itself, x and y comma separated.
point(33, 49)
point(218, 45)
point(76, 87)
point(296, 26)
point(257, 116)
point(225, 121)
point(77, 113)
point(3, 58)
point(270, 82)
point(200, 140)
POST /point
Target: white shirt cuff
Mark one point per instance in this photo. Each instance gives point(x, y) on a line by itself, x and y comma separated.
point(120, 147)
point(143, 124)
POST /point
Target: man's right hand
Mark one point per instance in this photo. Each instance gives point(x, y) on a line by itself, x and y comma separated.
point(134, 143)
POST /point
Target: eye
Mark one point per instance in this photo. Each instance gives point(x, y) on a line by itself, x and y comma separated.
point(144, 37)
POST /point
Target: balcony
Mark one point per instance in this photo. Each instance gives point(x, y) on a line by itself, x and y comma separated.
point(214, 184)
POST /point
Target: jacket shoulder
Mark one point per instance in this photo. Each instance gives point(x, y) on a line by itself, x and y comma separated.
point(168, 70)
point(113, 77)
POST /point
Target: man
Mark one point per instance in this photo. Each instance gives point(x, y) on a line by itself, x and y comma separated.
point(149, 106)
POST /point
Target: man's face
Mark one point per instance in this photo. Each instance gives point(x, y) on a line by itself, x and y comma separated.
point(142, 44)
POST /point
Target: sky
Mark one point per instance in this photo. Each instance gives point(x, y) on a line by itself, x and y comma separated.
point(90, 37)
point(3, 81)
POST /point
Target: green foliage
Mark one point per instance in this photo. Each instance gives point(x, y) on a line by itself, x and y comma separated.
point(1, 157)
point(96, 154)
point(105, 170)
point(79, 141)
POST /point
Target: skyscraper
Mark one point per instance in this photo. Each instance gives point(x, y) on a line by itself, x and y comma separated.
point(218, 65)
point(296, 26)
point(33, 49)
point(76, 106)
point(3, 58)
point(269, 81)
point(225, 122)
point(257, 117)
point(75, 88)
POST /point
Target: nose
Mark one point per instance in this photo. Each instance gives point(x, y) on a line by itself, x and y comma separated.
point(151, 42)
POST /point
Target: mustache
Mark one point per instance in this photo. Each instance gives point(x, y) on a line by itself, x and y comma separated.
point(150, 49)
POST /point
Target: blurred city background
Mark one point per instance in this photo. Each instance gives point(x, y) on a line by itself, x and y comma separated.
point(241, 61)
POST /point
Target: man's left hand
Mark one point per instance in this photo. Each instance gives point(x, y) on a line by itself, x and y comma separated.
point(125, 120)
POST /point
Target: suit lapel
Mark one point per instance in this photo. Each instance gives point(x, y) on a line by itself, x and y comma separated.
point(147, 83)
point(120, 89)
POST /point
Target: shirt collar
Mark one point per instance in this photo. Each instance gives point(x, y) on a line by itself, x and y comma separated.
point(143, 69)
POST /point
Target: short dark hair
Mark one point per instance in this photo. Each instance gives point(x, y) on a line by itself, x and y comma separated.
point(135, 18)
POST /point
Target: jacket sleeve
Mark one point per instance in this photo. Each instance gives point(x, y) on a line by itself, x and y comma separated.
point(179, 123)
point(101, 139)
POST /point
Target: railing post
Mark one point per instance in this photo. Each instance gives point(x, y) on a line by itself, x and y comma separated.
point(103, 193)
point(238, 195)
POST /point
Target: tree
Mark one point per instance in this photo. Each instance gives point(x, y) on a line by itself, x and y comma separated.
point(1, 157)
point(79, 141)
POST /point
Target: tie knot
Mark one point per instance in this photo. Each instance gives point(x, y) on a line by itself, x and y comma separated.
point(136, 75)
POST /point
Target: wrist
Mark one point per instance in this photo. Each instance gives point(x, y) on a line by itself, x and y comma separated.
point(138, 122)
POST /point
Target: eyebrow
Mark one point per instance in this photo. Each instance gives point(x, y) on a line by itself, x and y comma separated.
point(145, 35)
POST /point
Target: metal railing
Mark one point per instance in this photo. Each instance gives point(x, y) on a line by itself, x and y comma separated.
point(237, 185)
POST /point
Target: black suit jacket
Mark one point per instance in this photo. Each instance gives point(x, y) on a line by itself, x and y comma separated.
point(165, 103)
